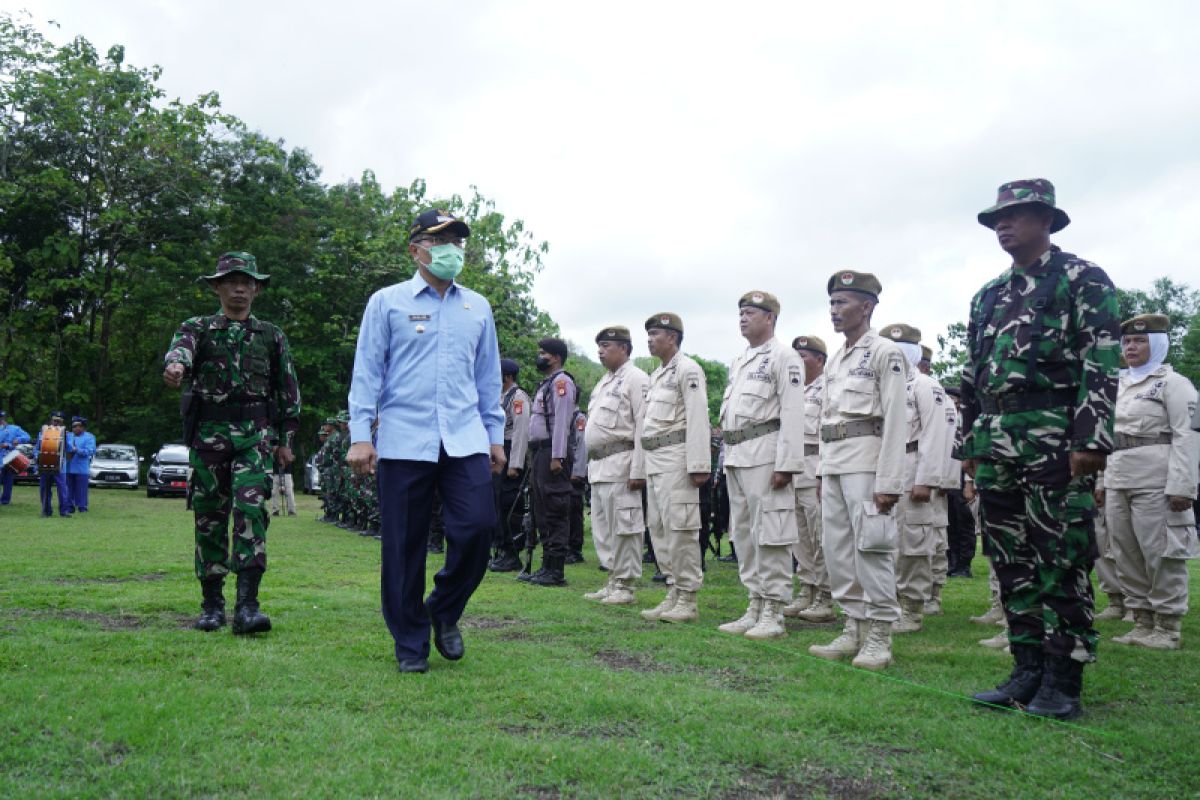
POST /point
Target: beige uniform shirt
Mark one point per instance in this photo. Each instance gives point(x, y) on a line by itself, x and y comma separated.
point(766, 383)
point(678, 401)
point(953, 478)
point(812, 434)
point(861, 382)
point(925, 408)
point(615, 415)
point(516, 425)
point(1162, 402)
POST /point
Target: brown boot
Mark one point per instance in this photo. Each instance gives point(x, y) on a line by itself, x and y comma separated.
point(876, 653)
point(805, 597)
point(933, 606)
point(770, 622)
point(684, 609)
point(845, 645)
point(1166, 635)
point(1115, 610)
point(746, 621)
point(1143, 626)
point(666, 605)
point(910, 616)
point(821, 610)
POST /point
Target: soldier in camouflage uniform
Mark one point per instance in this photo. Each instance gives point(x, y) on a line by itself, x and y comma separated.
point(244, 383)
point(1038, 395)
point(323, 460)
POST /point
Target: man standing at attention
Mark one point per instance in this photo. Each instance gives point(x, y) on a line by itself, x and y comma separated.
point(762, 418)
point(244, 409)
point(675, 439)
point(1039, 393)
point(616, 467)
point(81, 446)
point(863, 431)
point(427, 370)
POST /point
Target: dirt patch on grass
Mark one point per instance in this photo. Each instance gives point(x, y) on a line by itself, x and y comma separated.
point(759, 785)
point(152, 576)
point(111, 753)
point(634, 662)
point(539, 792)
point(108, 622)
point(515, 636)
point(733, 679)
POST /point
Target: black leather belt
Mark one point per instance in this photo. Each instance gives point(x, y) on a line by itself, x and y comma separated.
point(663, 439)
point(836, 432)
point(610, 449)
point(1016, 402)
point(1126, 441)
point(812, 449)
point(910, 447)
point(234, 413)
point(752, 431)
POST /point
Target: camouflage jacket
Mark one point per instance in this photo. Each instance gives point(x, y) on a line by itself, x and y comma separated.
point(1077, 354)
point(231, 362)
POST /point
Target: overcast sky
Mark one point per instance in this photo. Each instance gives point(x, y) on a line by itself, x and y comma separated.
point(678, 154)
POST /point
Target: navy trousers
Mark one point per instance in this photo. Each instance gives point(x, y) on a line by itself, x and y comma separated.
point(6, 484)
point(405, 503)
point(77, 485)
point(47, 483)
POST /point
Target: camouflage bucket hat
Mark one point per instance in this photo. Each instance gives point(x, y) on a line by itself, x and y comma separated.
point(1030, 190)
point(237, 262)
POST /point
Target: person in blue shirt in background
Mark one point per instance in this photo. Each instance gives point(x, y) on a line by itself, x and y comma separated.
point(427, 371)
point(11, 435)
point(81, 446)
point(51, 479)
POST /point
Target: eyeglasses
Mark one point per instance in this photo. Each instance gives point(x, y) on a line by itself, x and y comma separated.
point(446, 238)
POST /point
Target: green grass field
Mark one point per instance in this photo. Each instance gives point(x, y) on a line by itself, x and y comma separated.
point(107, 692)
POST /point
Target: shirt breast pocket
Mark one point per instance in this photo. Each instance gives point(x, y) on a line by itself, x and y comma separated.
point(858, 397)
point(661, 408)
point(607, 411)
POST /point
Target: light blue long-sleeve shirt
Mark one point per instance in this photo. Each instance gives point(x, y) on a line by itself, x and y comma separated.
point(80, 450)
point(429, 368)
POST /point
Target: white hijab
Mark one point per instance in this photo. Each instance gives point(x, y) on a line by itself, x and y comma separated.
point(1159, 344)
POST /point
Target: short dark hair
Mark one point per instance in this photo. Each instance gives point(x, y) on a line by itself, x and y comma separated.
point(627, 347)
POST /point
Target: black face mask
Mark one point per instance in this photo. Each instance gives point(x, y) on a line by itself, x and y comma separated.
point(542, 364)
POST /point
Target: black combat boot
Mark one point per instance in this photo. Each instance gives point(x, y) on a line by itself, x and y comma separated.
point(551, 574)
point(1024, 681)
point(246, 616)
point(732, 557)
point(526, 576)
point(212, 608)
point(507, 561)
point(575, 557)
point(1062, 684)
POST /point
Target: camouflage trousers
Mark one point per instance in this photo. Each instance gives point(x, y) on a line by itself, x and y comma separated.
point(1039, 527)
point(231, 474)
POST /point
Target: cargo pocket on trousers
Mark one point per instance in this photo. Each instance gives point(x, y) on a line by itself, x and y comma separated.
point(777, 519)
point(874, 532)
point(630, 518)
point(685, 510)
point(1181, 535)
point(916, 530)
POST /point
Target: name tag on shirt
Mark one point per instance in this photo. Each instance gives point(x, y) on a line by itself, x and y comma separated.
point(418, 318)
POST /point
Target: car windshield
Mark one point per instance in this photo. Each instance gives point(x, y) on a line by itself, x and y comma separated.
point(116, 452)
point(173, 455)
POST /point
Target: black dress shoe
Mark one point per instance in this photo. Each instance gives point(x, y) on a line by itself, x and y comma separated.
point(414, 665)
point(448, 640)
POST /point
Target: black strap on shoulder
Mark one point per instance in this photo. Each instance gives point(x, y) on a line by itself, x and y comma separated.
point(506, 402)
point(983, 342)
point(1042, 297)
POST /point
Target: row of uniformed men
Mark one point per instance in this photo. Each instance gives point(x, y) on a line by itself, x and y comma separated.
point(870, 426)
point(71, 477)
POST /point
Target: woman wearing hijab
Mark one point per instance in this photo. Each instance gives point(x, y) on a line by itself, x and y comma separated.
point(1150, 482)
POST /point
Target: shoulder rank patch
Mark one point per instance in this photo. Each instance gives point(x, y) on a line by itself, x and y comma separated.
point(580, 423)
point(560, 386)
point(794, 375)
point(518, 406)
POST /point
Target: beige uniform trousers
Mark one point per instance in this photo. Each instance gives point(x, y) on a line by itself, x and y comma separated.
point(863, 582)
point(810, 558)
point(762, 527)
point(617, 527)
point(1106, 563)
point(674, 510)
point(1151, 544)
point(914, 559)
point(939, 564)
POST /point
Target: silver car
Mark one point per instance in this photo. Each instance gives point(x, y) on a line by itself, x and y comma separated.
point(115, 465)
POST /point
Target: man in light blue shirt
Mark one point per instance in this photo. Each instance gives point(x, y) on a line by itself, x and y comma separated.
point(11, 435)
point(427, 371)
point(81, 446)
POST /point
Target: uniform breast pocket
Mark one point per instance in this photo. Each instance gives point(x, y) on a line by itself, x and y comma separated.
point(660, 409)
point(257, 370)
point(607, 411)
point(753, 399)
point(858, 397)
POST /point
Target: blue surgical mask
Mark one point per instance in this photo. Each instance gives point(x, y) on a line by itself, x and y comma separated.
point(446, 261)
